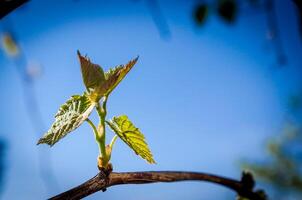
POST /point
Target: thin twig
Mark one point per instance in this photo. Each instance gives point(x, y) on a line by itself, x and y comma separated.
point(102, 181)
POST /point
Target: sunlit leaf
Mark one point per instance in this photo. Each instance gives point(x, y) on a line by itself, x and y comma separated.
point(69, 117)
point(115, 75)
point(132, 136)
point(97, 82)
point(93, 75)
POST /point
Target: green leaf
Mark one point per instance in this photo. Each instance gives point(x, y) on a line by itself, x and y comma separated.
point(132, 136)
point(115, 75)
point(93, 75)
point(69, 117)
point(98, 83)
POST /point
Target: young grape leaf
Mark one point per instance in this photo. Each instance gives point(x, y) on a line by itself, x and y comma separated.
point(132, 136)
point(93, 75)
point(115, 75)
point(69, 117)
point(97, 82)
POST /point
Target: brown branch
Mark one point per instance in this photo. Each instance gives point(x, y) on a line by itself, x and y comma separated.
point(243, 188)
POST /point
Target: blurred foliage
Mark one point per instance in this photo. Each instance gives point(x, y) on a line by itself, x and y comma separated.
point(227, 10)
point(28, 70)
point(9, 45)
point(7, 6)
point(299, 9)
point(283, 168)
point(295, 103)
point(200, 13)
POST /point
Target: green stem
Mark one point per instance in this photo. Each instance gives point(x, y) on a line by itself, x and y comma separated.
point(95, 131)
point(101, 109)
point(113, 141)
point(102, 112)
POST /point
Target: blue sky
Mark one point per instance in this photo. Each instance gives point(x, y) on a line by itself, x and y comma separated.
point(204, 98)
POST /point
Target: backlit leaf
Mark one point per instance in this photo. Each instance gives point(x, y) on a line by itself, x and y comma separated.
point(69, 117)
point(132, 136)
point(115, 75)
point(93, 75)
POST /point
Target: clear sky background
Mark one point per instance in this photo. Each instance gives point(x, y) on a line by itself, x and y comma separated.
point(205, 98)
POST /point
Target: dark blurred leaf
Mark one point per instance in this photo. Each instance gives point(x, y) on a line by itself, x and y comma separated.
point(298, 3)
point(295, 103)
point(200, 13)
point(7, 6)
point(227, 10)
